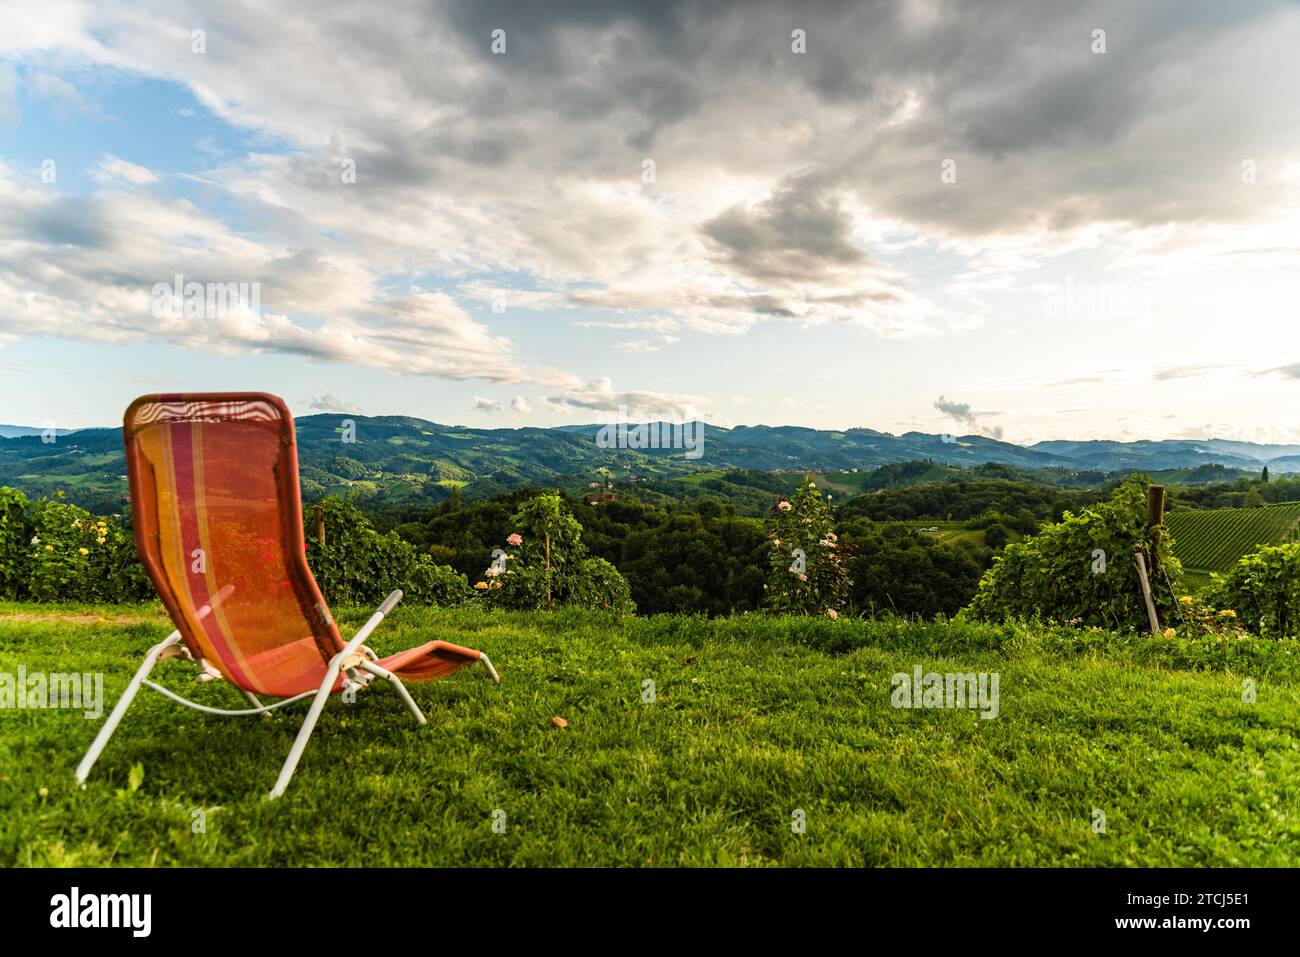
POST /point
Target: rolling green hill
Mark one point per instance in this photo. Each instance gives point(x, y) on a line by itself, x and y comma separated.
point(402, 461)
point(1212, 539)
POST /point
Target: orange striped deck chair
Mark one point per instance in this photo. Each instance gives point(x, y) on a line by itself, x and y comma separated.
point(218, 525)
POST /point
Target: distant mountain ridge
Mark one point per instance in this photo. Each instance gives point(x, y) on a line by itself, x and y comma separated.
point(401, 458)
point(14, 431)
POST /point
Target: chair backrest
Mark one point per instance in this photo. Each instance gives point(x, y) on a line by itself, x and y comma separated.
point(218, 521)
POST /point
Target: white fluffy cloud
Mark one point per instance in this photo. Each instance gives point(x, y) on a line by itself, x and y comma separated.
point(787, 188)
point(329, 402)
point(600, 396)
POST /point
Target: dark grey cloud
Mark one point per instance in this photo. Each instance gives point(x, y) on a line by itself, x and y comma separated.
point(963, 413)
point(1290, 371)
point(799, 233)
point(62, 221)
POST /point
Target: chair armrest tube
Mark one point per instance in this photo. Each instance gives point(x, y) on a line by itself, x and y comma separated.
point(391, 601)
point(371, 624)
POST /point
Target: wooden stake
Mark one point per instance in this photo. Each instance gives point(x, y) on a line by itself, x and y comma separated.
point(1155, 505)
point(1146, 592)
point(318, 515)
point(1155, 525)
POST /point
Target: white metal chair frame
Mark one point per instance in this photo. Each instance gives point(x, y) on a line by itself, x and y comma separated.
point(358, 661)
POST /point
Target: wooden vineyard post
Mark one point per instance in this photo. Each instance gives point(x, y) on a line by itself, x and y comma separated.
point(1155, 525)
point(318, 516)
point(1149, 551)
point(1146, 591)
point(1155, 505)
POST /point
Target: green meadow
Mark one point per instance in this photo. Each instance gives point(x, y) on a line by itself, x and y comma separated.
point(748, 741)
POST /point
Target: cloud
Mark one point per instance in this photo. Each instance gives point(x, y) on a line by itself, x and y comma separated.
point(636, 346)
point(599, 395)
point(664, 324)
point(329, 402)
point(799, 233)
point(490, 406)
point(962, 412)
point(112, 170)
point(64, 98)
point(1191, 370)
point(520, 406)
point(1287, 372)
point(788, 189)
point(9, 109)
point(86, 268)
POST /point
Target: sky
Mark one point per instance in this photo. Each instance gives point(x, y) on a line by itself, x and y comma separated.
point(1023, 220)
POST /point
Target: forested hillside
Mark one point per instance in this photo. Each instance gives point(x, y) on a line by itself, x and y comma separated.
point(404, 462)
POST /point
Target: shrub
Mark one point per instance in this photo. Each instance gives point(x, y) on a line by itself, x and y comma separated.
point(358, 565)
point(806, 573)
point(15, 533)
point(545, 564)
point(73, 555)
point(1262, 589)
point(598, 584)
point(1082, 570)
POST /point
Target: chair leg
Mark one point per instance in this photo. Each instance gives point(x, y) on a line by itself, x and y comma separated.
point(308, 725)
point(124, 702)
point(400, 688)
point(488, 665)
point(256, 703)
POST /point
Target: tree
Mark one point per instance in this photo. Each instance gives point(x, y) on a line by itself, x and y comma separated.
point(996, 535)
point(1263, 476)
point(894, 568)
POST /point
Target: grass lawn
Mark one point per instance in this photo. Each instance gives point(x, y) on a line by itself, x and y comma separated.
point(1194, 579)
point(753, 720)
point(954, 531)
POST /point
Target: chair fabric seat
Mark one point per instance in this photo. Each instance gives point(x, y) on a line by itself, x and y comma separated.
point(217, 515)
point(298, 667)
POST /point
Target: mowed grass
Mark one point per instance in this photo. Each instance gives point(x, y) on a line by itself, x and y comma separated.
point(753, 720)
point(954, 531)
